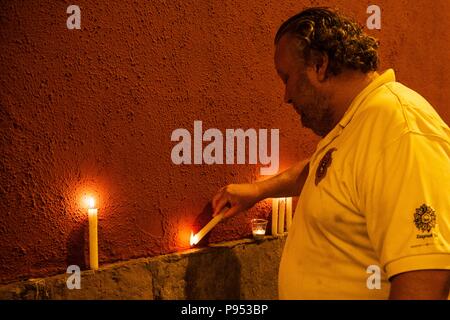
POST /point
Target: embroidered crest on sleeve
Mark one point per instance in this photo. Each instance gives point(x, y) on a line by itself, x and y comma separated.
point(323, 165)
point(425, 218)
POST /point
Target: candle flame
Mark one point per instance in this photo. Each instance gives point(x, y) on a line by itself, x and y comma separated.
point(193, 241)
point(91, 202)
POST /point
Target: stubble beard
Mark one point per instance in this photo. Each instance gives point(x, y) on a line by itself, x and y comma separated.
point(317, 116)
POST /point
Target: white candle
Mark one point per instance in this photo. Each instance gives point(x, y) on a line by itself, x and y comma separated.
point(259, 228)
point(93, 239)
point(281, 213)
point(259, 233)
point(274, 216)
point(197, 237)
point(288, 213)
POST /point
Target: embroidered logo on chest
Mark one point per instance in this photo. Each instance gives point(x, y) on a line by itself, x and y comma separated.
point(321, 171)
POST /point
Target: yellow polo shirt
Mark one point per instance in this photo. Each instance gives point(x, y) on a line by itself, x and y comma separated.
point(377, 194)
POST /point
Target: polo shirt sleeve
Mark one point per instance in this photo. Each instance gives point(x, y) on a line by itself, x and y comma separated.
point(406, 200)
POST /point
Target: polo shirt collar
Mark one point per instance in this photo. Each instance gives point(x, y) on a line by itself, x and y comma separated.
point(385, 77)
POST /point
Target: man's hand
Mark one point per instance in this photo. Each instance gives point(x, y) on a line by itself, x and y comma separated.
point(239, 196)
point(420, 285)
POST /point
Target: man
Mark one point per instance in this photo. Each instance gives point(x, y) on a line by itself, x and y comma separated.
point(375, 194)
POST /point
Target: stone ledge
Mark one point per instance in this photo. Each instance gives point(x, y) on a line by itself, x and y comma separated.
point(242, 269)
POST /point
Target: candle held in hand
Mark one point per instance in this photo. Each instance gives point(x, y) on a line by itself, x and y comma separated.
point(195, 238)
point(93, 239)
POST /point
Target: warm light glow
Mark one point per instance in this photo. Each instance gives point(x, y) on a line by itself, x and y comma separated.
point(91, 202)
point(193, 240)
point(259, 231)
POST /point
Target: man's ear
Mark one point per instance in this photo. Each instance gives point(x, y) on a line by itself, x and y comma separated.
point(323, 68)
point(319, 62)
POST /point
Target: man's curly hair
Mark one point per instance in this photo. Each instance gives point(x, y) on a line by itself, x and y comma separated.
point(324, 30)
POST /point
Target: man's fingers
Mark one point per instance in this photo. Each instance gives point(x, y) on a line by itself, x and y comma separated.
point(216, 198)
point(220, 204)
point(232, 211)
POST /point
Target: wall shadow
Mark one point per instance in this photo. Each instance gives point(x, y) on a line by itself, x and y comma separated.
point(76, 244)
point(214, 274)
point(201, 220)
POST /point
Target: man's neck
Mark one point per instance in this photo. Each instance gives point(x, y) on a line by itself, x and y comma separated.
point(345, 88)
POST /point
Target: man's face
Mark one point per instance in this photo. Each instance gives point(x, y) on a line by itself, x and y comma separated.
point(305, 97)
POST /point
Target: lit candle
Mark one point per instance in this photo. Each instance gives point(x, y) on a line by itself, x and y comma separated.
point(288, 213)
point(281, 213)
point(259, 228)
point(259, 233)
point(195, 238)
point(274, 216)
point(93, 240)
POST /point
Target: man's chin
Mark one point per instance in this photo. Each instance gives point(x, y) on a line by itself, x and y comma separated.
point(314, 129)
point(304, 122)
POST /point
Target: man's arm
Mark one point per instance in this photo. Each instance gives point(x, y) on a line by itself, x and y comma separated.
point(244, 196)
point(422, 284)
point(286, 184)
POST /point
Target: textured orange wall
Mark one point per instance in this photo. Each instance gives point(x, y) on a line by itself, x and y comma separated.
point(92, 111)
